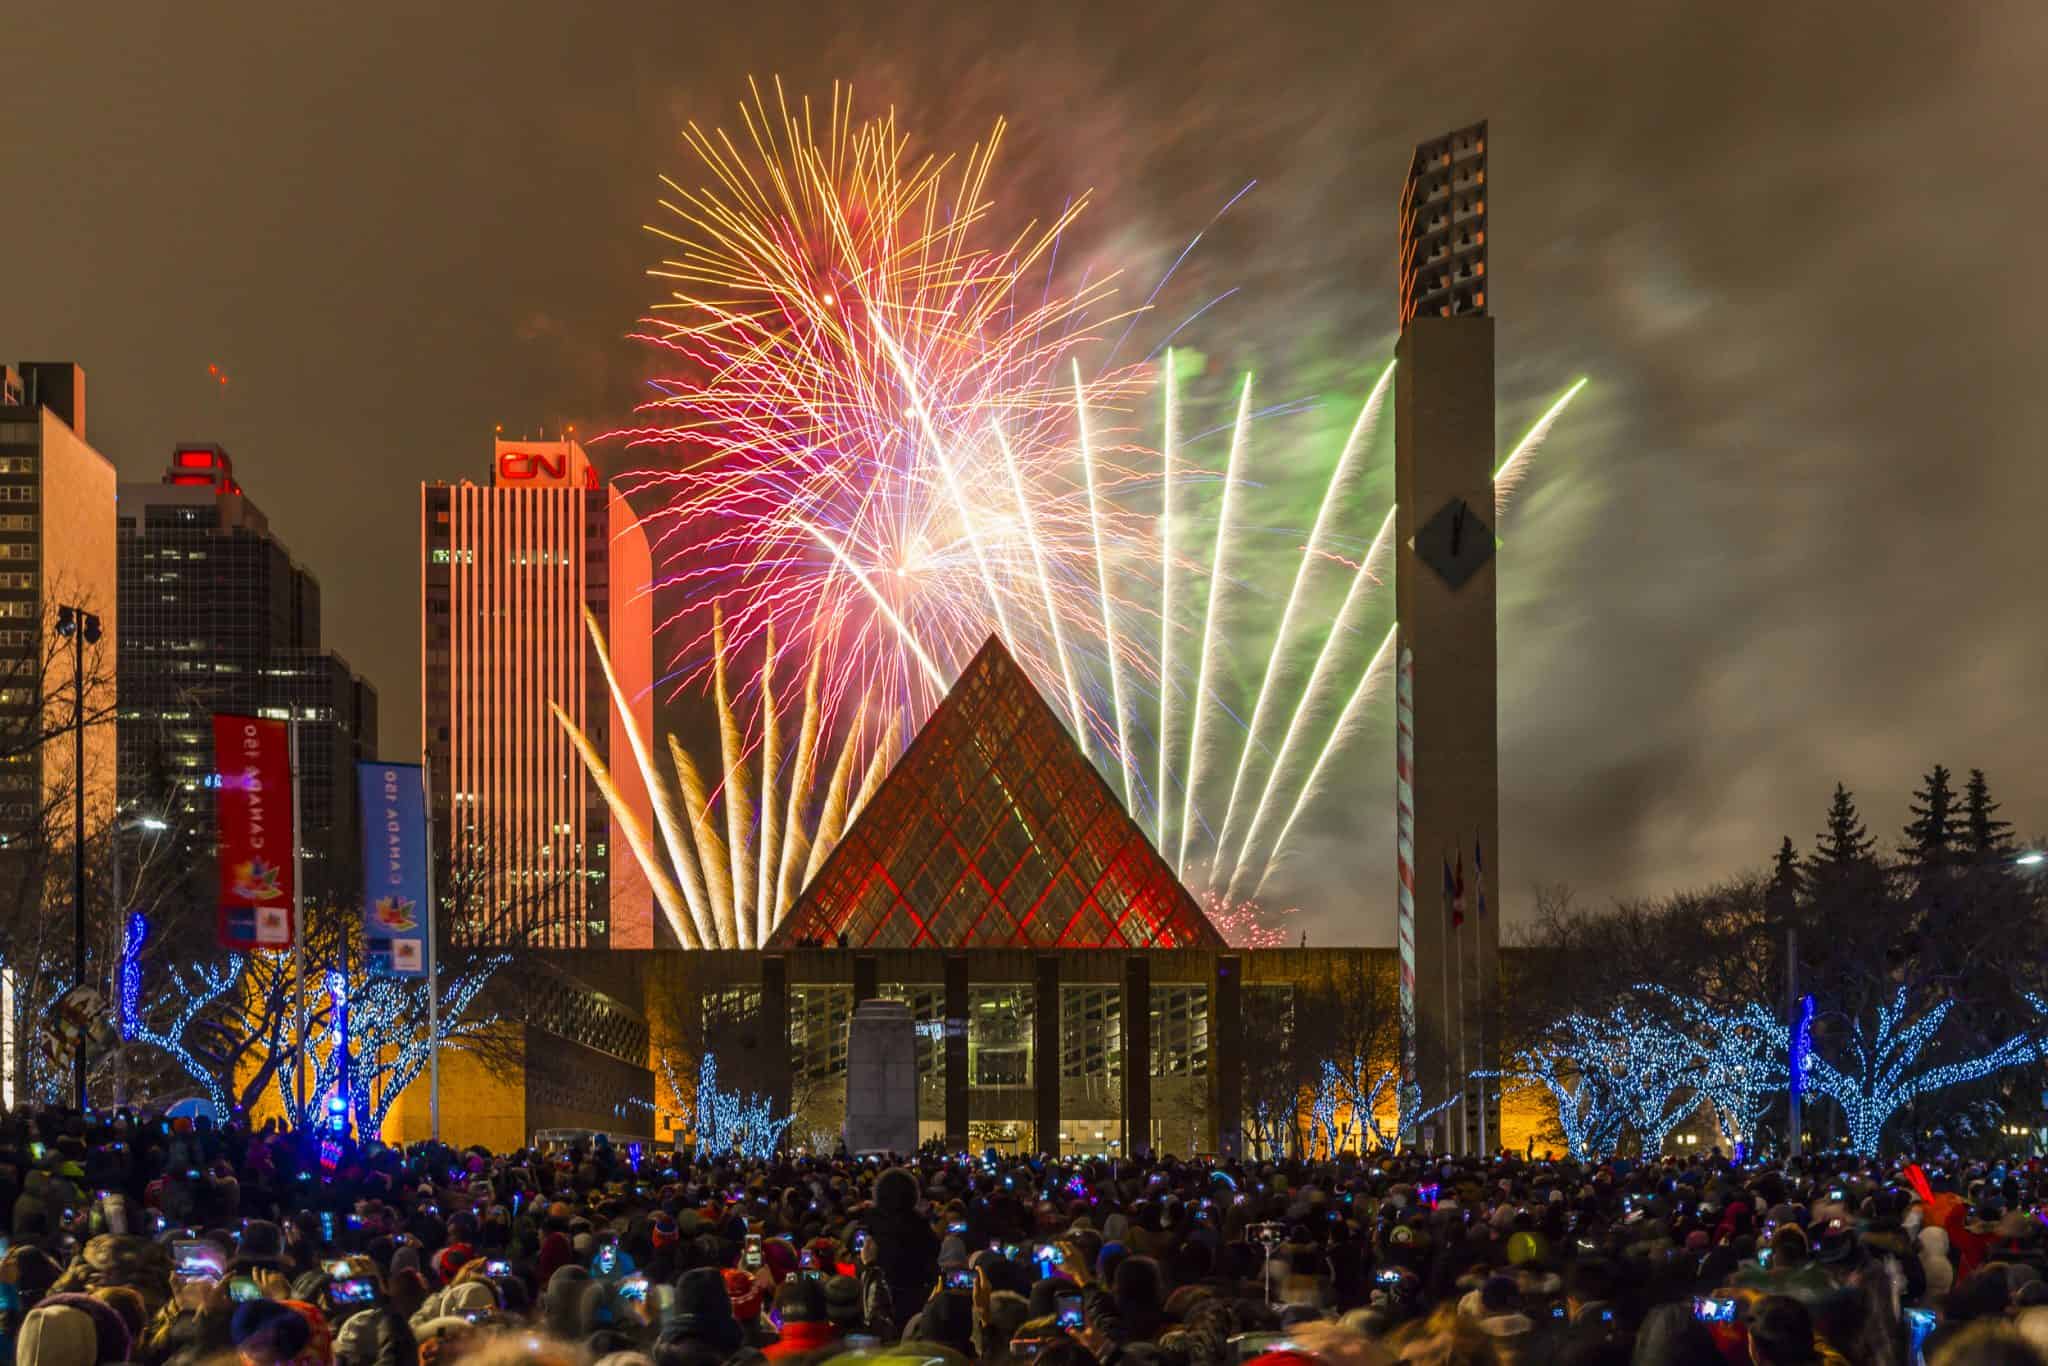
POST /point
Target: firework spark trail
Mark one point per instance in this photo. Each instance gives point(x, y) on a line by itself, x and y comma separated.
point(1247, 924)
point(1078, 717)
point(1238, 440)
point(771, 824)
point(1116, 676)
point(706, 846)
point(1341, 628)
point(698, 913)
point(919, 410)
point(931, 670)
point(1354, 599)
point(666, 893)
point(733, 786)
point(832, 820)
point(1368, 418)
point(799, 785)
point(1338, 733)
point(1508, 478)
point(702, 857)
point(1160, 803)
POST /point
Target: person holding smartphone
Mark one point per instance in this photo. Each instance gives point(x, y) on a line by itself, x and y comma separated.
point(902, 1242)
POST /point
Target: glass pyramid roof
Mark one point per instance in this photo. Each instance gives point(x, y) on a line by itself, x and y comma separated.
point(994, 830)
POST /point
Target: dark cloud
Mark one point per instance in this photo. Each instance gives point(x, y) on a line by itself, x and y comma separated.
point(1788, 536)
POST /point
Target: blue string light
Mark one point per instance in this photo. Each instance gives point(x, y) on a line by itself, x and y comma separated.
point(1879, 1076)
point(131, 973)
point(728, 1121)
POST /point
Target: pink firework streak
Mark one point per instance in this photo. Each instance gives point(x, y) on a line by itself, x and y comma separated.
point(881, 447)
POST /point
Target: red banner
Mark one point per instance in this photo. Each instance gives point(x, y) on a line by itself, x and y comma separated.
point(252, 759)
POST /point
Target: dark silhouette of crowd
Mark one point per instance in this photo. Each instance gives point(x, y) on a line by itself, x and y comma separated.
point(136, 1239)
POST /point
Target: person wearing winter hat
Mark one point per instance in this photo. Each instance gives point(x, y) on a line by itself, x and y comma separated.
point(468, 1299)
point(842, 1305)
point(1672, 1336)
point(59, 1335)
point(266, 1332)
point(320, 1342)
point(562, 1302)
point(1781, 1332)
point(902, 1243)
point(702, 1316)
point(743, 1292)
point(807, 1324)
point(261, 1244)
point(110, 1335)
point(1500, 1314)
point(946, 1319)
point(450, 1260)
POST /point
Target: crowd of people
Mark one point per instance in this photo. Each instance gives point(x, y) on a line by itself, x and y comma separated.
point(137, 1239)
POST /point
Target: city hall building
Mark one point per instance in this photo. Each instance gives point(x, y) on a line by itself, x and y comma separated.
point(1068, 993)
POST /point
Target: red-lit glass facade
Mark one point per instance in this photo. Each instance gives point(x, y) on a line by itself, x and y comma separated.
point(994, 830)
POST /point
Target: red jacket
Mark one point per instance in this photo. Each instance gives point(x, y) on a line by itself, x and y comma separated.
point(798, 1338)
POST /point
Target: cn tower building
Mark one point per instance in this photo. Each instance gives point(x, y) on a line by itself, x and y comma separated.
point(529, 854)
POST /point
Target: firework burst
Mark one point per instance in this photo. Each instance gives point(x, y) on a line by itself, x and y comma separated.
point(873, 410)
point(880, 442)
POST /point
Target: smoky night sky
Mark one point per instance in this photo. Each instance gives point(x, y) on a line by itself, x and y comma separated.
point(1789, 534)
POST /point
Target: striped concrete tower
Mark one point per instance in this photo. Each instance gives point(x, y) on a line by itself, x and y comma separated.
point(1445, 574)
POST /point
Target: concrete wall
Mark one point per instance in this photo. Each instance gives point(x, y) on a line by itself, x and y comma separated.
point(1444, 450)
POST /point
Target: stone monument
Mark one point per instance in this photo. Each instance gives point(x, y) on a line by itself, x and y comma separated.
point(881, 1079)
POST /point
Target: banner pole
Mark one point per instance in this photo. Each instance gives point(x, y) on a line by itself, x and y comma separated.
point(298, 918)
point(433, 966)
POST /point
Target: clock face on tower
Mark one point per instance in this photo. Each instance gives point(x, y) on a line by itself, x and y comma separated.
point(1455, 542)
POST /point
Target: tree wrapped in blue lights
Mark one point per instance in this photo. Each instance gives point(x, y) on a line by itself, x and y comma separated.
point(729, 1121)
point(1652, 1070)
point(1346, 1101)
point(389, 1041)
point(1589, 1113)
point(195, 992)
point(1882, 1071)
point(1742, 1053)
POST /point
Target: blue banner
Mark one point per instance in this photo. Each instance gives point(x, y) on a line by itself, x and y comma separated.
point(397, 915)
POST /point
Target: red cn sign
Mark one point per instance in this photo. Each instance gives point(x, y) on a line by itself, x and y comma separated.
point(523, 467)
point(539, 467)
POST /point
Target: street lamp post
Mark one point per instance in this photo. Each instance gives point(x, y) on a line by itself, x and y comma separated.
point(125, 992)
point(83, 629)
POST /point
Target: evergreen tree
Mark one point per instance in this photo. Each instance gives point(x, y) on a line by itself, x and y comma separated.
point(1846, 842)
point(1931, 837)
point(1985, 837)
point(1788, 881)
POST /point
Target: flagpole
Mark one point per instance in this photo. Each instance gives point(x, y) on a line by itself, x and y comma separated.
point(1479, 983)
point(433, 966)
point(298, 915)
point(1445, 1042)
point(1464, 1071)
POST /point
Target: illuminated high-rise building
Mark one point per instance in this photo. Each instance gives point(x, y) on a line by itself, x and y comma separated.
point(218, 617)
point(56, 551)
point(528, 849)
